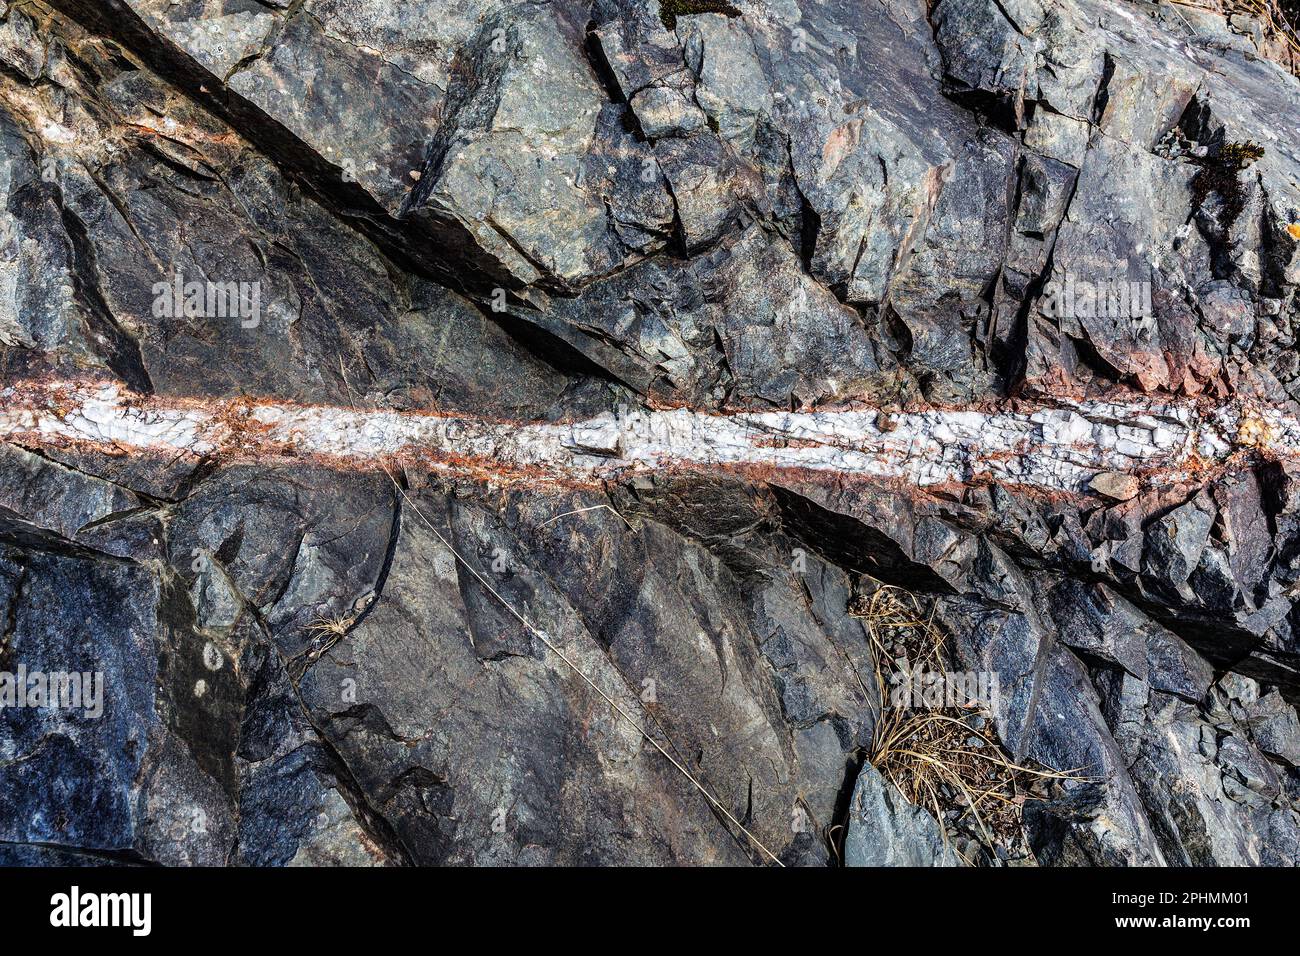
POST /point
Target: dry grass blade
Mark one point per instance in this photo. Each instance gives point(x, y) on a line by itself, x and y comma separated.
point(1278, 20)
point(947, 758)
point(337, 626)
point(1274, 20)
point(677, 764)
point(326, 632)
point(613, 704)
point(579, 511)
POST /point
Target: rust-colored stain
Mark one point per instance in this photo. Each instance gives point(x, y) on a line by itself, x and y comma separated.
point(235, 431)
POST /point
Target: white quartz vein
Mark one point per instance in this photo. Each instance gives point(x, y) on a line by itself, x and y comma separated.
point(1058, 447)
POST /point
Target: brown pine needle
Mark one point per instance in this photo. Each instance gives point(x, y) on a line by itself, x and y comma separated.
point(936, 758)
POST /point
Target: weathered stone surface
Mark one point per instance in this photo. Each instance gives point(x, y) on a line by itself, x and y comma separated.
point(886, 830)
point(665, 111)
point(731, 321)
point(1119, 487)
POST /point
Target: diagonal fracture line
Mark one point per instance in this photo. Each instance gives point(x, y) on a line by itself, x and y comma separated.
point(614, 705)
point(1059, 446)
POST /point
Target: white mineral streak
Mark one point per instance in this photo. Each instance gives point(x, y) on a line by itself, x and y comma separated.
point(1061, 447)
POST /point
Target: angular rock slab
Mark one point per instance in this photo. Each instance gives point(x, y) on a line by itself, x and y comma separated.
point(886, 830)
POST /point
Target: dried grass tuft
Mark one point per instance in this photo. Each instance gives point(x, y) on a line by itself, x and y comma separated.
point(326, 632)
point(947, 760)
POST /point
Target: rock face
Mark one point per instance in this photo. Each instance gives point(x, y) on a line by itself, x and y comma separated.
point(459, 431)
point(886, 830)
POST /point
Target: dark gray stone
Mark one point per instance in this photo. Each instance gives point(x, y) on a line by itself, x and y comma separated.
point(886, 830)
point(548, 212)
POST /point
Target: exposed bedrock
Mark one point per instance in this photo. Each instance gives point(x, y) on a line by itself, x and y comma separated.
point(470, 431)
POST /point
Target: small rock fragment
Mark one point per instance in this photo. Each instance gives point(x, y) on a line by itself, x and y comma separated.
point(1115, 485)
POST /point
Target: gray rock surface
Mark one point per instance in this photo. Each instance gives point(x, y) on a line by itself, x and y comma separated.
point(559, 211)
point(886, 830)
